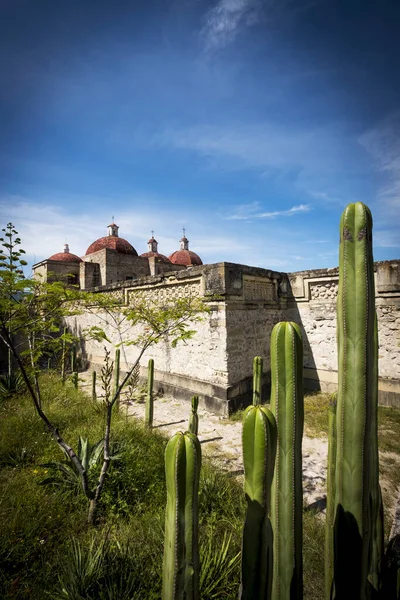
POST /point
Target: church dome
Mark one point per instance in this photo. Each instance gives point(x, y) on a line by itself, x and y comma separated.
point(113, 242)
point(184, 256)
point(65, 256)
point(153, 251)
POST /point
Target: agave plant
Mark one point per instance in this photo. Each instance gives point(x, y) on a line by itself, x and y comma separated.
point(11, 384)
point(65, 473)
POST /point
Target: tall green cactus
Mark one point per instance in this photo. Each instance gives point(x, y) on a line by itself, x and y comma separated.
point(330, 498)
point(181, 567)
point(357, 529)
point(149, 398)
point(259, 448)
point(257, 379)
point(287, 493)
point(194, 417)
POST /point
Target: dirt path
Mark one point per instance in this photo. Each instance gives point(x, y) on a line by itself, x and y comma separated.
point(221, 441)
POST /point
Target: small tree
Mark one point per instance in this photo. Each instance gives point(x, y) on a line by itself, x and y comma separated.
point(11, 275)
point(36, 310)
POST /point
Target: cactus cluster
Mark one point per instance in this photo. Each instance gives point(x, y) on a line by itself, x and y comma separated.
point(272, 535)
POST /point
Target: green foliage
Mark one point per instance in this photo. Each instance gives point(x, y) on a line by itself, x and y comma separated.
point(65, 473)
point(217, 567)
point(11, 384)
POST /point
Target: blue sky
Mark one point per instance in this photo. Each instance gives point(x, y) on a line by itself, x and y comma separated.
point(252, 123)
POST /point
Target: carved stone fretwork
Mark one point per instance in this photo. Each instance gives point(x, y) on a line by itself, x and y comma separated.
point(258, 289)
point(167, 292)
point(324, 290)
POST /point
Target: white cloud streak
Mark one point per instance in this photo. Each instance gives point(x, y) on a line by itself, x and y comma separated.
point(226, 18)
point(383, 144)
point(251, 211)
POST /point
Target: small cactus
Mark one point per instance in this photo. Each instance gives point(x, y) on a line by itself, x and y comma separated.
point(117, 371)
point(194, 417)
point(94, 393)
point(181, 568)
point(149, 398)
point(257, 380)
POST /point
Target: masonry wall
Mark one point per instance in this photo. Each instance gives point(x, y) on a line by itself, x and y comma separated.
point(114, 266)
point(198, 366)
point(245, 303)
point(312, 304)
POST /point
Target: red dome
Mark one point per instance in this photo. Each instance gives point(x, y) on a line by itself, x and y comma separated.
point(185, 257)
point(65, 257)
point(113, 243)
point(156, 254)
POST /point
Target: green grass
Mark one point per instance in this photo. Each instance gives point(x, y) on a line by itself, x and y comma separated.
point(45, 543)
point(46, 546)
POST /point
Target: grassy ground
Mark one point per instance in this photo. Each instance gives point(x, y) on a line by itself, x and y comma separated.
point(46, 548)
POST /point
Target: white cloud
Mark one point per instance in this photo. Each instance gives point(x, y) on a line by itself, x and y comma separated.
point(261, 146)
point(227, 18)
point(224, 20)
point(383, 144)
point(251, 211)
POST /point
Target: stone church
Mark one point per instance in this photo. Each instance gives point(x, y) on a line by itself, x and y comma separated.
point(245, 303)
point(111, 259)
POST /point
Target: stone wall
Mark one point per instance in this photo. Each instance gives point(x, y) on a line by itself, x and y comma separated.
point(312, 304)
point(55, 270)
point(245, 303)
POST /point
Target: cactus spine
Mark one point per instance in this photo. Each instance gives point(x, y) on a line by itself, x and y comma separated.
point(257, 379)
point(194, 417)
point(149, 398)
point(287, 493)
point(357, 494)
point(181, 554)
point(259, 448)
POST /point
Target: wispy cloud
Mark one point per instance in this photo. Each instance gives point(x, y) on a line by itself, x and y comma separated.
point(252, 211)
point(259, 146)
point(227, 18)
point(224, 20)
point(383, 144)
